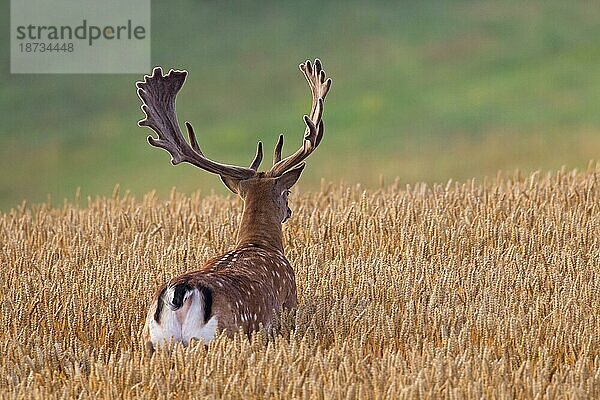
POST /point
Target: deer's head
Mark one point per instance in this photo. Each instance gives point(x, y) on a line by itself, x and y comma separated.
point(262, 190)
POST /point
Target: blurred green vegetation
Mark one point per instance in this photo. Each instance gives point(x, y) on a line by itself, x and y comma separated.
point(423, 91)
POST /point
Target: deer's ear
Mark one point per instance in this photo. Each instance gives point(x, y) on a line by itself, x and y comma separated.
point(289, 178)
point(231, 183)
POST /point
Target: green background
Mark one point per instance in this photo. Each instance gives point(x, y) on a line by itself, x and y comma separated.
point(423, 91)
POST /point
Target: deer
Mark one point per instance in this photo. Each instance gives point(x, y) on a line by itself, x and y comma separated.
point(245, 288)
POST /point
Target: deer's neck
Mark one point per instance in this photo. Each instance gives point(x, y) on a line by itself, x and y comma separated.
point(261, 226)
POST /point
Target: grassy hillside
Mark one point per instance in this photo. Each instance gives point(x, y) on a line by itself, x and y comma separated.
point(422, 90)
point(458, 291)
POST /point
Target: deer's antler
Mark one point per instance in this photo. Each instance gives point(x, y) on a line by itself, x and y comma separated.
point(158, 94)
point(319, 87)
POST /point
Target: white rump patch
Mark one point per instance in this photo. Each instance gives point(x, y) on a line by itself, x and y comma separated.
point(183, 324)
point(193, 326)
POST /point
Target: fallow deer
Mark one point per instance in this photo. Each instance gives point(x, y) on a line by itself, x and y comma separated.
point(246, 286)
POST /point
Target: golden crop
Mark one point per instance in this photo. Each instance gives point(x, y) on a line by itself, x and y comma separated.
point(478, 290)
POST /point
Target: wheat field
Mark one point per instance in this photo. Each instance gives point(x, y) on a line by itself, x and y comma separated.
point(464, 290)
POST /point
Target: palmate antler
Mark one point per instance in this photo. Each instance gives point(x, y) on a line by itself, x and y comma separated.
point(319, 87)
point(158, 93)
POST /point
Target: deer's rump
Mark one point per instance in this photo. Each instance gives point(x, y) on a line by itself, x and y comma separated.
point(181, 313)
point(200, 304)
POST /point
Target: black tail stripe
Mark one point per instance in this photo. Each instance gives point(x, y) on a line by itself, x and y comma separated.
point(179, 294)
point(208, 300)
point(159, 305)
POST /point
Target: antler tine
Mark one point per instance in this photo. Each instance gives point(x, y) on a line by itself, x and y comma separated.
point(319, 87)
point(277, 152)
point(193, 140)
point(158, 94)
point(257, 158)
